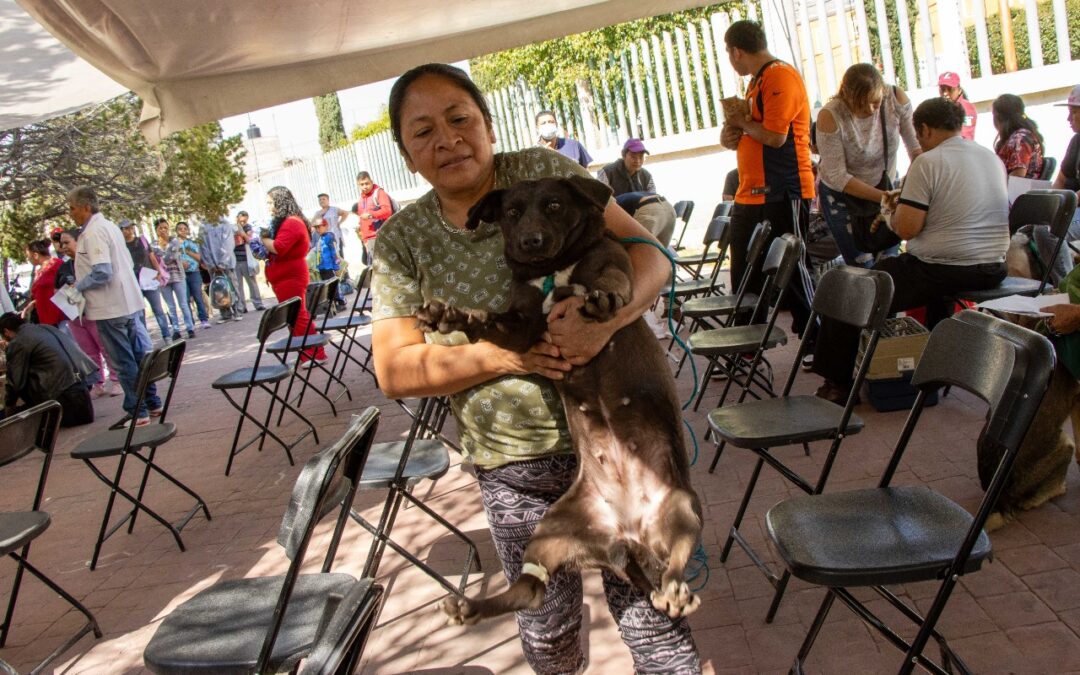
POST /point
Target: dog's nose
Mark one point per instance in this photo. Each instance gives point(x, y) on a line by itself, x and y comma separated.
point(531, 240)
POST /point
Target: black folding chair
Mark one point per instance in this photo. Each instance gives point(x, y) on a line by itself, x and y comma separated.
point(1051, 208)
point(697, 281)
point(905, 534)
point(262, 376)
point(702, 311)
point(348, 326)
point(322, 302)
point(724, 347)
point(131, 442)
point(268, 624)
point(683, 210)
point(320, 298)
point(398, 467)
point(32, 433)
point(1048, 167)
point(851, 295)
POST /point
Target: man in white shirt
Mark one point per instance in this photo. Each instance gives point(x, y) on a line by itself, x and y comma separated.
point(104, 275)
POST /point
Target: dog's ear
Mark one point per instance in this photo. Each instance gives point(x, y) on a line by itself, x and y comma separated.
point(488, 209)
point(591, 189)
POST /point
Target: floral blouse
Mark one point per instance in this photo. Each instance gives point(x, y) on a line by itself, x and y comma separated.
point(1022, 151)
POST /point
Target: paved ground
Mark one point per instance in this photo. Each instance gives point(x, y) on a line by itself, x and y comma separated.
point(1020, 614)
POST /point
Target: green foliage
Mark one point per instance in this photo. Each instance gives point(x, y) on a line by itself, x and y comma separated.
point(204, 171)
point(331, 126)
point(376, 126)
point(895, 46)
point(555, 66)
point(191, 173)
point(1048, 37)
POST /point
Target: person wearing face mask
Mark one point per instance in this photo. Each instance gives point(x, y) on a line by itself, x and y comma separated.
point(548, 129)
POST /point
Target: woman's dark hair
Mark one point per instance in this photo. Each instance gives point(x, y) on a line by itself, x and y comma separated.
point(284, 205)
point(39, 246)
point(746, 35)
point(456, 76)
point(1009, 115)
point(939, 113)
point(12, 322)
point(73, 233)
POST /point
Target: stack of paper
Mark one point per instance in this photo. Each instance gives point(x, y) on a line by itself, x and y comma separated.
point(1022, 304)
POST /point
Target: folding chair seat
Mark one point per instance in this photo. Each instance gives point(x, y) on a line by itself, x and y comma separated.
point(320, 300)
point(1053, 208)
point(266, 377)
point(31, 434)
point(131, 443)
point(851, 295)
point(724, 347)
point(270, 624)
point(683, 210)
point(348, 326)
point(902, 534)
point(398, 467)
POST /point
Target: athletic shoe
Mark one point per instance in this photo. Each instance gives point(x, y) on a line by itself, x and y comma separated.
point(141, 422)
point(237, 317)
point(259, 308)
point(156, 412)
point(191, 333)
point(176, 335)
point(221, 321)
point(114, 388)
point(206, 324)
point(98, 391)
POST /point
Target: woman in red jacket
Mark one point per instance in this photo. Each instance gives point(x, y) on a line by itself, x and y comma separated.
point(286, 269)
point(44, 286)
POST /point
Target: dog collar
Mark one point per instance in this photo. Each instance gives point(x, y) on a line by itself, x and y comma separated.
point(548, 285)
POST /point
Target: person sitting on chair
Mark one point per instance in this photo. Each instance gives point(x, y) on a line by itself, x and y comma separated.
point(44, 364)
point(954, 214)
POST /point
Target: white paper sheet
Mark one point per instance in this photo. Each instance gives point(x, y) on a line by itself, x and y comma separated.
point(1022, 304)
point(1018, 186)
point(148, 279)
point(68, 301)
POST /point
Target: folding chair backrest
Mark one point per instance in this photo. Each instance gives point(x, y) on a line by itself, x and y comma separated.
point(1004, 365)
point(856, 296)
point(718, 232)
point(281, 315)
point(722, 209)
point(1049, 164)
point(27, 431)
point(683, 210)
point(780, 263)
point(326, 483)
point(1042, 207)
point(315, 295)
point(325, 307)
point(363, 290)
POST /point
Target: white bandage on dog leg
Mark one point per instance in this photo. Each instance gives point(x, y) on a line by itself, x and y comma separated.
point(535, 570)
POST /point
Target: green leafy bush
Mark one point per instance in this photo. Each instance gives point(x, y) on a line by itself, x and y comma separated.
point(1048, 37)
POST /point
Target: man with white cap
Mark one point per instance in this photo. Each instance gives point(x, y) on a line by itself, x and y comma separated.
point(949, 87)
point(1068, 177)
point(626, 174)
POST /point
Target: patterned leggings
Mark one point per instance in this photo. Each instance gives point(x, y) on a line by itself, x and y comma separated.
point(516, 496)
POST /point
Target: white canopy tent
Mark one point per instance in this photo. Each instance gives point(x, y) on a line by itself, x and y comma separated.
point(192, 61)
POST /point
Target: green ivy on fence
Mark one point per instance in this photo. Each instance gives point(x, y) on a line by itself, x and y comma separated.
point(1048, 37)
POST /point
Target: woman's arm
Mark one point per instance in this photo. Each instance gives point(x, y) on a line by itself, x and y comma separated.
point(580, 340)
point(407, 366)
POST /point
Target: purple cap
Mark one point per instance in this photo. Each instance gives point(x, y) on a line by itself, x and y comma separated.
point(634, 145)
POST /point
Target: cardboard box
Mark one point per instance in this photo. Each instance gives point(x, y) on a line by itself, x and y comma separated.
point(898, 349)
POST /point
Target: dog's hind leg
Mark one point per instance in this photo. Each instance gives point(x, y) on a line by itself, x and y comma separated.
point(681, 530)
point(544, 556)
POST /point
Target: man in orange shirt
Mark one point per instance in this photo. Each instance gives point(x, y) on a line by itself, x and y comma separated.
point(776, 182)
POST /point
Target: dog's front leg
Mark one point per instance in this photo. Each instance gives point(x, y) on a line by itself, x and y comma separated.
point(681, 531)
point(609, 292)
point(513, 330)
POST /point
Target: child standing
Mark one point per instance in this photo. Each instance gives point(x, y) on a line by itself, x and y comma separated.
point(328, 262)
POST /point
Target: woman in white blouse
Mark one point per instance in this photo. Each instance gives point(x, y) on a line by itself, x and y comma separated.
point(855, 155)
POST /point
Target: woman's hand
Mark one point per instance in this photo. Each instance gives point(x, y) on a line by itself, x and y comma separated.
point(1065, 319)
point(577, 339)
point(542, 359)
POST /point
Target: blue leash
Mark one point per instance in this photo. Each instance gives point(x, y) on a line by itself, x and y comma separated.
point(699, 561)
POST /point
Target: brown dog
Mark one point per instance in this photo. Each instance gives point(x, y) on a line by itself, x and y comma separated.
point(631, 509)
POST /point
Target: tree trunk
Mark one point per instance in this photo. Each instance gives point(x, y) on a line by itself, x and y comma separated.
point(587, 103)
point(1008, 42)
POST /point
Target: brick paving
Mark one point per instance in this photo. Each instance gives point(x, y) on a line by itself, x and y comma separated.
point(1020, 614)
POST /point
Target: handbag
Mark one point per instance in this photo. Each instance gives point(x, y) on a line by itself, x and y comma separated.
point(863, 212)
point(220, 292)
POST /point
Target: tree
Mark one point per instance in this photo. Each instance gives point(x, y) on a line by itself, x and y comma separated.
point(331, 126)
point(203, 171)
point(192, 173)
point(376, 126)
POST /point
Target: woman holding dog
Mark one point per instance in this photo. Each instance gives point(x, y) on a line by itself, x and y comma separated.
point(513, 429)
point(858, 133)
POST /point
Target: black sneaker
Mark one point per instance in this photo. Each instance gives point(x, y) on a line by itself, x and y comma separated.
point(191, 334)
point(176, 336)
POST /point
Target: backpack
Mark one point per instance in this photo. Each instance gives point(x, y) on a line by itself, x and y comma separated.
point(394, 208)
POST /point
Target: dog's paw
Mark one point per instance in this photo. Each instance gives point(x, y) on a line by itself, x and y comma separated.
point(429, 315)
point(601, 305)
point(459, 611)
point(675, 599)
point(436, 317)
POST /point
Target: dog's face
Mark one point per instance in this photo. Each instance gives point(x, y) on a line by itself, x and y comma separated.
point(543, 221)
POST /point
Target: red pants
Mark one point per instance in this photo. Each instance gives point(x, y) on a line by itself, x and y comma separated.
point(286, 289)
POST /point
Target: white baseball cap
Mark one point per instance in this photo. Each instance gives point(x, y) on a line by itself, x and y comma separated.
point(1074, 98)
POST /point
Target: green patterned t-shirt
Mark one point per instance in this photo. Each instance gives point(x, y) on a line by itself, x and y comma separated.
point(420, 257)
